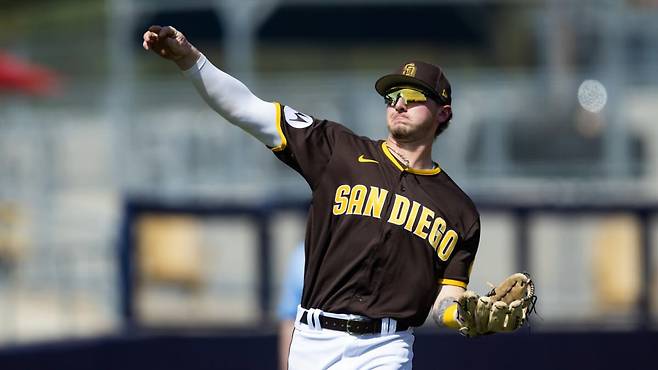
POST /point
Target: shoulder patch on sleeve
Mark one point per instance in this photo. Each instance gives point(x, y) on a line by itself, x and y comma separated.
point(297, 119)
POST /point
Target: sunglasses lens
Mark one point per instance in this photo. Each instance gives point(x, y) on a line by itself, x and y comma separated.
point(412, 96)
point(407, 95)
point(392, 98)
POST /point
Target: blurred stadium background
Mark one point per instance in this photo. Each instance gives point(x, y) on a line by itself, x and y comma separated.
point(128, 209)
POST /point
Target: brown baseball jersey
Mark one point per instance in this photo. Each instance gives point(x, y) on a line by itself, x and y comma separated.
point(380, 238)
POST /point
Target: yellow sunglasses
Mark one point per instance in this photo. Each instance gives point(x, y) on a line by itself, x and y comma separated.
point(407, 96)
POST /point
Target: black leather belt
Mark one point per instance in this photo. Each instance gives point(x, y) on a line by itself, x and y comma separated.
point(355, 326)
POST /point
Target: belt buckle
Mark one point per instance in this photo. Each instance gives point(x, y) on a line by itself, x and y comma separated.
point(347, 325)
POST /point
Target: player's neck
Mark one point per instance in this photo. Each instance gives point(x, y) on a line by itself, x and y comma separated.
point(412, 155)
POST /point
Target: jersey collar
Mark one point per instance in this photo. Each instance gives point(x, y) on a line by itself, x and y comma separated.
point(415, 171)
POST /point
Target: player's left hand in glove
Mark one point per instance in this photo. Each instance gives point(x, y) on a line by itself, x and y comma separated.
point(505, 308)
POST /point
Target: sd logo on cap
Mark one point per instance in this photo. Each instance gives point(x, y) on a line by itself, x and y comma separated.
point(427, 77)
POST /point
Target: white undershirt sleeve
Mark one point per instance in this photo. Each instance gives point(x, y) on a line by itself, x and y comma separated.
point(235, 102)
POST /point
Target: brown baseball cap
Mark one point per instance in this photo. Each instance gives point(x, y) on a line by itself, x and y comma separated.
point(427, 77)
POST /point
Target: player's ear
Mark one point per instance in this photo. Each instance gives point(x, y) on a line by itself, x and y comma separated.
point(444, 113)
point(443, 116)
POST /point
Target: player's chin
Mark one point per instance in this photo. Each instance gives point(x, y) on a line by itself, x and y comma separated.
point(399, 132)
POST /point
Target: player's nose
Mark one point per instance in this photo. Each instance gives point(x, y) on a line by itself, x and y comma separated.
point(400, 105)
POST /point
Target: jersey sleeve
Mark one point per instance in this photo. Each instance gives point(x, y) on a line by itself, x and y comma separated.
point(459, 267)
point(307, 144)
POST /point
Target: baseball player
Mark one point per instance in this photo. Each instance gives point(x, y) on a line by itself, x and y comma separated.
point(391, 238)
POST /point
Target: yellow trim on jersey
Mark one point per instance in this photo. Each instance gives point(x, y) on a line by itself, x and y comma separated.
point(415, 171)
point(433, 171)
point(452, 282)
point(449, 318)
point(391, 157)
point(278, 124)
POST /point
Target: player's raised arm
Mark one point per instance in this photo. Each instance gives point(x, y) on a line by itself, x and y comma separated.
point(223, 93)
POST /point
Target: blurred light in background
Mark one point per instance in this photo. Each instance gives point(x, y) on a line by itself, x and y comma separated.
point(592, 95)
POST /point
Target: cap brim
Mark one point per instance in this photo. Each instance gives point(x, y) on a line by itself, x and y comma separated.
point(388, 82)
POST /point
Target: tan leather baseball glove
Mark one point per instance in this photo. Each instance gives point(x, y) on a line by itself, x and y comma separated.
point(505, 308)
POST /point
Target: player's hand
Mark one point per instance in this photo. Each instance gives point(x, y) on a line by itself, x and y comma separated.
point(171, 44)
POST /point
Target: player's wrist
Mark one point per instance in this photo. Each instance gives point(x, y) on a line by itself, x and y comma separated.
point(450, 317)
point(446, 314)
point(188, 61)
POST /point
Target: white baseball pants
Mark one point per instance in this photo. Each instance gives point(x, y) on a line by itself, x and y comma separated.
point(313, 347)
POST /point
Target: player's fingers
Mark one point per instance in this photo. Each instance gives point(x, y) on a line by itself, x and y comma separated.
point(167, 31)
point(149, 39)
point(155, 29)
point(149, 45)
point(150, 36)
